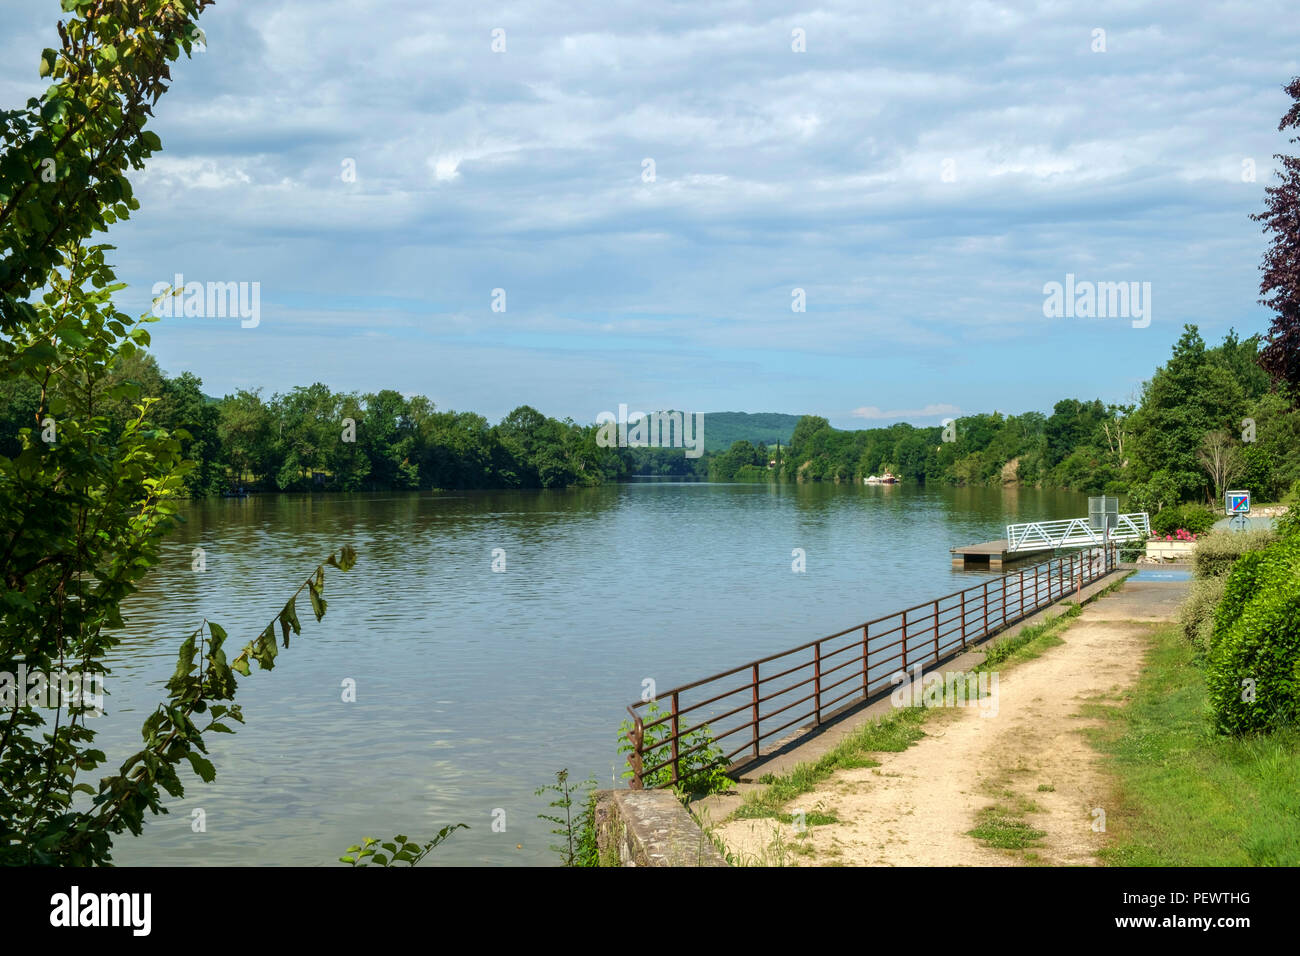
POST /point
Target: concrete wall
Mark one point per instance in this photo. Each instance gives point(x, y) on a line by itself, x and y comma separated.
point(650, 828)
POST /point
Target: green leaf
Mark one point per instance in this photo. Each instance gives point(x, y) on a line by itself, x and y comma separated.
point(318, 603)
point(202, 766)
point(184, 661)
point(264, 649)
point(346, 558)
point(289, 619)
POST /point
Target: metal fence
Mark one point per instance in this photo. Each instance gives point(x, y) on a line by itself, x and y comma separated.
point(713, 721)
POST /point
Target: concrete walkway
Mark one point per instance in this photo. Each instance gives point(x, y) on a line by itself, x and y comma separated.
point(1029, 761)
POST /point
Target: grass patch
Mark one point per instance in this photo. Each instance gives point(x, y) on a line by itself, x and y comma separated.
point(1029, 642)
point(812, 818)
point(891, 733)
point(1003, 829)
point(1185, 796)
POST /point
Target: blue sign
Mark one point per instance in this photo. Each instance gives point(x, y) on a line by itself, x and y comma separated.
point(1237, 502)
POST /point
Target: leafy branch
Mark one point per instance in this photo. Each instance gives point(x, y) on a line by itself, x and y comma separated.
point(203, 677)
point(399, 849)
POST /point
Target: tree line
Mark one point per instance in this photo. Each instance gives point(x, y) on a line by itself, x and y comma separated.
point(1207, 418)
point(313, 438)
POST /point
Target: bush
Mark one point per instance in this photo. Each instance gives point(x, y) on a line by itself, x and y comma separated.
point(702, 770)
point(1216, 552)
point(750, 473)
point(1196, 519)
point(1288, 525)
point(1253, 671)
point(1197, 613)
point(578, 830)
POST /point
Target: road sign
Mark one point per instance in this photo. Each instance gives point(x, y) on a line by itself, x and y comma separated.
point(1237, 502)
point(1103, 513)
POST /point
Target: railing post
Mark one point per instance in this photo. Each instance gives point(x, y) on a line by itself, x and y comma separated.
point(986, 610)
point(753, 708)
point(963, 620)
point(866, 666)
point(676, 776)
point(904, 642)
point(817, 681)
point(637, 736)
point(936, 631)
point(1004, 600)
point(1020, 606)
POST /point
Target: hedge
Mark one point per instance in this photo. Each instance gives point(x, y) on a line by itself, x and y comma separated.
point(1196, 616)
point(1216, 552)
point(1255, 644)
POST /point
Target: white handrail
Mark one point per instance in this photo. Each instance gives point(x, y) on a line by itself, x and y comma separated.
point(1074, 532)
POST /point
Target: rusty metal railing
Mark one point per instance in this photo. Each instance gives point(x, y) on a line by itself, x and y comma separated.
point(837, 671)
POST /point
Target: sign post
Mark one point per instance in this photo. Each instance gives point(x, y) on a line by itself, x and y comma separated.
point(1103, 516)
point(1236, 504)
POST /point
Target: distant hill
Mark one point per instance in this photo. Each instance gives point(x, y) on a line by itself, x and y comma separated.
point(723, 428)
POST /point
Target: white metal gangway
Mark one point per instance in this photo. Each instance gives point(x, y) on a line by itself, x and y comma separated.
point(1074, 533)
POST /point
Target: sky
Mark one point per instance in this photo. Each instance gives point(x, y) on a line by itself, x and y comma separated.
point(655, 188)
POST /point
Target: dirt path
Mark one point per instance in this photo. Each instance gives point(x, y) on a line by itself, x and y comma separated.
point(918, 806)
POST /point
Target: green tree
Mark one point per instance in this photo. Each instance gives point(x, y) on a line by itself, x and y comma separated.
point(726, 467)
point(244, 429)
point(913, 455)
point(308, 425)
point(20, 402)
point(1072, 424)
point(1186, 398)
point(387, 440)
point(1280, 280)
point(185, 410)
point(83, 511)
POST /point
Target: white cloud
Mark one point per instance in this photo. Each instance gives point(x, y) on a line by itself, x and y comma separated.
point(930, 411)
point(775, 170)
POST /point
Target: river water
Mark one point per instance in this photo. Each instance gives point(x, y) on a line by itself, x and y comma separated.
point(474, 686)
